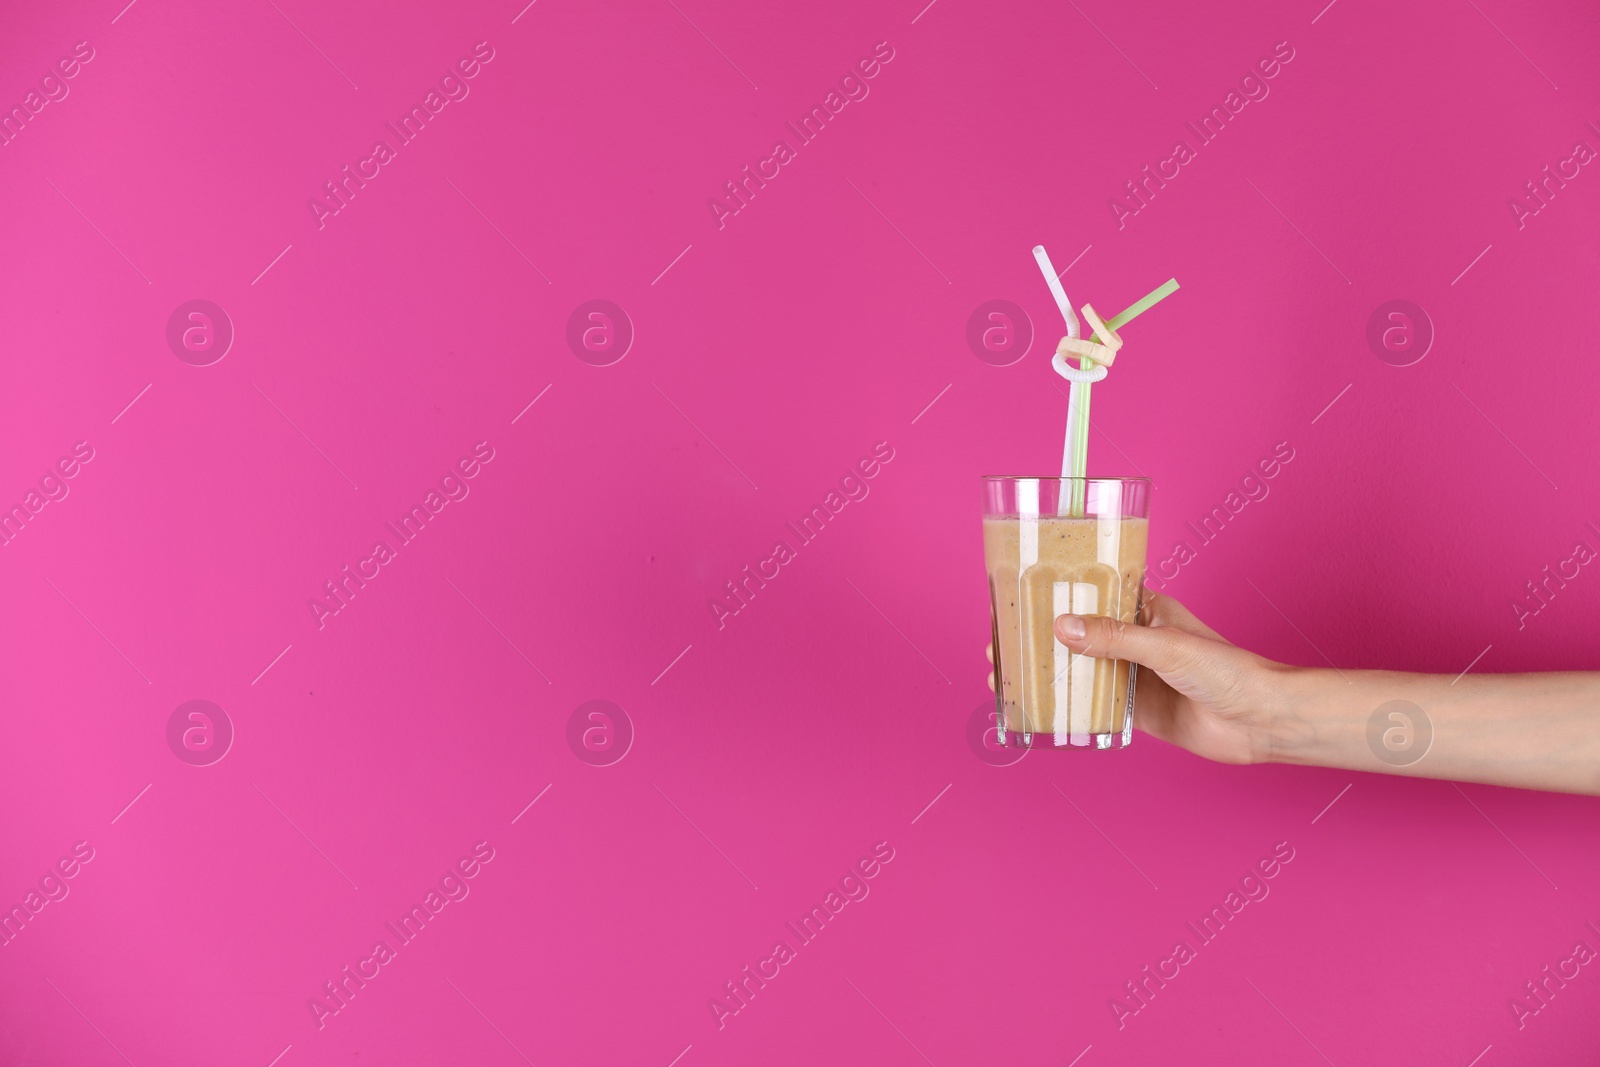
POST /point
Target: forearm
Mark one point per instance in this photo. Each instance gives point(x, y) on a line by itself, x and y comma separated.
point(1534, 731)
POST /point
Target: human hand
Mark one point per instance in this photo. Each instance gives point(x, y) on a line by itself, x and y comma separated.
point(1197, 691)
point(1537, 730)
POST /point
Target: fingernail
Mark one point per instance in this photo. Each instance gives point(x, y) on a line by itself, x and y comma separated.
point(1070, 627)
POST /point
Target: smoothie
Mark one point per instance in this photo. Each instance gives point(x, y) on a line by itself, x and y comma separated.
point(1053, 565)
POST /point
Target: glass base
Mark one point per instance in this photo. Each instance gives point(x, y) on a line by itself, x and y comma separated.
point(1019, 739)
point(1044, 739)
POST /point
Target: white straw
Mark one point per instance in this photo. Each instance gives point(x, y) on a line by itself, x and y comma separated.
point(1054, 282)
point(1064, 500)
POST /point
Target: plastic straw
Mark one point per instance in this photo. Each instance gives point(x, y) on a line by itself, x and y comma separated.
point(1080, 443)
point(1072, 457)
point(1081, 452)
point(1054, 282)
point(1143, 304)
point(1075, 450)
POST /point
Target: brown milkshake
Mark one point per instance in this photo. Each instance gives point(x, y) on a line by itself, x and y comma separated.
point(1055, 565)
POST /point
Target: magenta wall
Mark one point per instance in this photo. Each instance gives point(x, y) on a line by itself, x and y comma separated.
point(386, 350)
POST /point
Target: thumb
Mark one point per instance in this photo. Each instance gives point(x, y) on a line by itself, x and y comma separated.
point(1166, 650)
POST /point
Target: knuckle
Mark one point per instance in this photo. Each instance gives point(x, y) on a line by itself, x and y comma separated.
point(1114, 631)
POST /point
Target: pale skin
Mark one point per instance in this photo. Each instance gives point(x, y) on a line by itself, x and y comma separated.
point(1202, 693)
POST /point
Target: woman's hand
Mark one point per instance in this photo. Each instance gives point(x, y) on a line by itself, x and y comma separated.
point(1196, 690)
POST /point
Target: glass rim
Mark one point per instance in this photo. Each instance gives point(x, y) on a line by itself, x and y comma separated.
point(1054, 478)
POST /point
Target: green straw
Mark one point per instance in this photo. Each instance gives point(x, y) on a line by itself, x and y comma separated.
point(1143, 304)
point(1080, 448)
point(1080, 445)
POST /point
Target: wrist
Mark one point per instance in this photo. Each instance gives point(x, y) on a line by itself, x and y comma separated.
point(1289, 724)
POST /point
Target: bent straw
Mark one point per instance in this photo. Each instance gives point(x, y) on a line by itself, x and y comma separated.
point(1078, 394)
point(1075, 452)
point(1128, 314)
point(1054, 282)
point(1143, 304)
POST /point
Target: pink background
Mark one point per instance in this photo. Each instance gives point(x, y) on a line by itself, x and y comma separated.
point(772, 754)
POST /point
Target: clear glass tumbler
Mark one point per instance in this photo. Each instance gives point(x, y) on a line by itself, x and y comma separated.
point(1050, 551)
